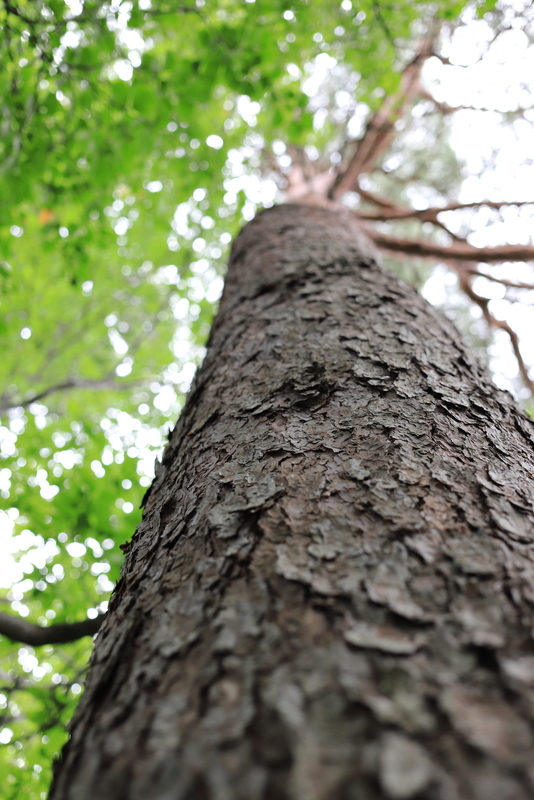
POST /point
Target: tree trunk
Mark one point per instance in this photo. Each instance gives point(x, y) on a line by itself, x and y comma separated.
point(330, 594)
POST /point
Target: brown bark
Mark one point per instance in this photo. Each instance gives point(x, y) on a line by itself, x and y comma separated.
point(330, 594)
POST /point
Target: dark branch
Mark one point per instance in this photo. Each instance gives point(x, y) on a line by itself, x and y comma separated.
point(376, 199)
point(427, 214)
point(11, 9)
point(380, 129)
point(509, 284)
point(103, 383)
point(483, 304)
point(445, 109)
point(457, 251)
point(383, 24)
point(18, 630)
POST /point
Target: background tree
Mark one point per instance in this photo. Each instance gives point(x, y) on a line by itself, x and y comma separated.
point(135, 141)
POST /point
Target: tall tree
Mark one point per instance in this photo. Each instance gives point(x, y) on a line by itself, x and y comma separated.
point(136, 137)
point(330, 593)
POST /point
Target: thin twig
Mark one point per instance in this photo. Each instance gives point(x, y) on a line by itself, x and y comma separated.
point(103, 383)
point(510, 284)
point(493, 322)
point(393, 212)
point(446, 109)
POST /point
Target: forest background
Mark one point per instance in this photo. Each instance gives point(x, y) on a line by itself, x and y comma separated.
point(136, 140)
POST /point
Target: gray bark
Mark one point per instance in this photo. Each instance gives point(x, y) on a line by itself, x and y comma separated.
point(330, 594)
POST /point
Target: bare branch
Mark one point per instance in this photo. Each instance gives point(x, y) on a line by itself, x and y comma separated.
point(383, 24)
point(483, 304)
point(458, 251)
point(497, 204)
point(445, 109)
point(443, 59)
point(392, 212)
point(11, 9)
point(510, 284)
point(102, 383)
point(376, 199)
point(380, 129)
point(18, 630)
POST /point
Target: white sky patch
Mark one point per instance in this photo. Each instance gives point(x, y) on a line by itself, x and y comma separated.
point(257, 190)
point(215, 289)
point(132, 39)
point(434, 289)
point(122, 225)
point(215, 141)
point(125, 368)
point(36, 551)
point(123, 68)
point(72, 38)
point(180, 221)
point(165, 399)
point(47, 490)
point(76, 550)
point(127, 434)
point(68, 458)
point(322, 64)
point(167, 274)
point(117, 342)
point(75, 7)
point(248, 109)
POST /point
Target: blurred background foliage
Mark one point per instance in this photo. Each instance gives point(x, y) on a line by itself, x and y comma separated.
point(136, 138)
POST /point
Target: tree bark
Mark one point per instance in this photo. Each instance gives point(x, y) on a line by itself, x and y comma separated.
point(330, 594)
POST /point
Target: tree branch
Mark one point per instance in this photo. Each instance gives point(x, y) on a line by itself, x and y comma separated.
point(510, 284)
point(102, 383)
point(380, 129)
point(376, 199)
point(457, 251)
point(493, 322)
point(445, 109)
point(18, 630)
point(17, 13)
point(392, 212)
point(383, 24)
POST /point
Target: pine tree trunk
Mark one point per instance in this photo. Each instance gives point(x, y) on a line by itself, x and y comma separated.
point(330, 594)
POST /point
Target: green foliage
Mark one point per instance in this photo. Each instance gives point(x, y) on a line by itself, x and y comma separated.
point(126, 130)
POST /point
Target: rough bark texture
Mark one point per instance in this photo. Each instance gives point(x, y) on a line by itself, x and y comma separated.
point(330, 595)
